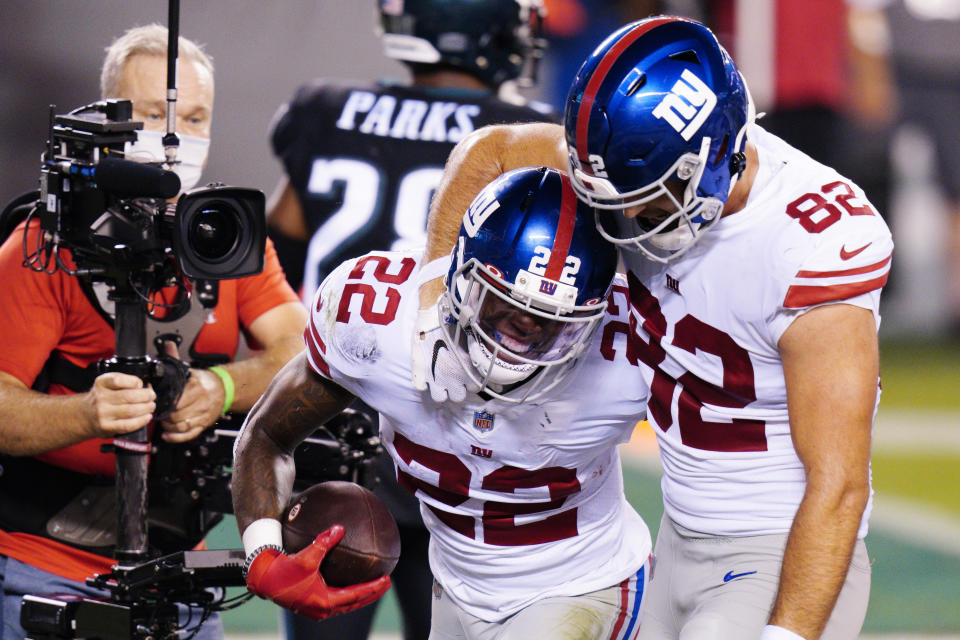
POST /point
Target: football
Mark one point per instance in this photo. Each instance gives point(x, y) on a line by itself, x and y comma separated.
point(370, 546)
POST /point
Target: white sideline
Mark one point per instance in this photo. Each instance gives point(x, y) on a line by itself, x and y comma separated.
point(917, 431)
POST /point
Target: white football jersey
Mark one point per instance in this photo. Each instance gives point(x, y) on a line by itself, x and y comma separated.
point(708, 324)
point(523, 501)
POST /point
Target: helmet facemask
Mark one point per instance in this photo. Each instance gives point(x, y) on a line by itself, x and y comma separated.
point(690, 215)
point(658, 103)
point(505, 333)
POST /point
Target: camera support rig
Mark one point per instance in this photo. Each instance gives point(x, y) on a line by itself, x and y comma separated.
point(143, 598)
point(112, 216)
point(131, 449)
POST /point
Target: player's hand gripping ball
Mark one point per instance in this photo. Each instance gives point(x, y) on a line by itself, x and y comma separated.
point(370, 546)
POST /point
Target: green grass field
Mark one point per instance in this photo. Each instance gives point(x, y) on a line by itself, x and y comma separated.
point(920, 375)
point(932, 479)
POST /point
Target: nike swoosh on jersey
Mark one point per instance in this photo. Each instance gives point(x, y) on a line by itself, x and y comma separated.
point(846, 255)
point(730, 575)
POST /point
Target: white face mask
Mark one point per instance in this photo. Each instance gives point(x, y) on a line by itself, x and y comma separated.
point(191, 155)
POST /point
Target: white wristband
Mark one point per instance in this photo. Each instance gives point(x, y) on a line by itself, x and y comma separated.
point(262, 532)
point(773, 632)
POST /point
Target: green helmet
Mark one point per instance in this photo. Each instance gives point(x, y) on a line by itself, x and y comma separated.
point(495, 40)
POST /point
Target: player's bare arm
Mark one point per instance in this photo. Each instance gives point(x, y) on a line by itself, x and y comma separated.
point(293, 406)
point(475, 162)
point(295, 403)
point(831, 367)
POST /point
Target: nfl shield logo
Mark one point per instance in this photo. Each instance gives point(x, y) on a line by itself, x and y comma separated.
point(482, 421)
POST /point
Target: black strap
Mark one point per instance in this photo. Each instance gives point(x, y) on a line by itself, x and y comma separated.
point(31, 492)
point(59, 370)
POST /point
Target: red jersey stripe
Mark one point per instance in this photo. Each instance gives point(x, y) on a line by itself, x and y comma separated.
point(845, 272)
point(561, 243)
point(317, 349)
point(799, 296)
point(599, 75)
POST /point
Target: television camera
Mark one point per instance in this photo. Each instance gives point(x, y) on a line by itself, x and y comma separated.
point(112, 221)
point(107, 219)
point(113, 216)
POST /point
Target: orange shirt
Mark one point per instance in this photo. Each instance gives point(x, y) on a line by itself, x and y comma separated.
point(41, 312)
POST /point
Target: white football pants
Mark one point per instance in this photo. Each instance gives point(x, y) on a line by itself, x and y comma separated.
point(608, 614)
point(723, 588)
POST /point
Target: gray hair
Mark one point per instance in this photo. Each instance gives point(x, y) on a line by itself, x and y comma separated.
point(152, 40)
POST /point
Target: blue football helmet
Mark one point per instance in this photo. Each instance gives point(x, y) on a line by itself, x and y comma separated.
point(658, 112)
point(527, 284)
point(495, 40)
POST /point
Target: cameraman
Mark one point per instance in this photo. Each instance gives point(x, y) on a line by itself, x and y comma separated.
point(54, 416)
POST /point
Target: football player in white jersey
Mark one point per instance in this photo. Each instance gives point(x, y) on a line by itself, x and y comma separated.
point(520, 484)
point(754, 281)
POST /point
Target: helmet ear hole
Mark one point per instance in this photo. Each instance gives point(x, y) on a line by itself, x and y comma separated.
point(722, 151)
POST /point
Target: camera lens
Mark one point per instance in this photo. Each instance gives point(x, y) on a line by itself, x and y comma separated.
point(220, 232)
point(214, 230)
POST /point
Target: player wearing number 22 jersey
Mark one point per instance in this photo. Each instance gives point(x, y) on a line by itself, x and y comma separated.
point(523, 501)
point(519, 482)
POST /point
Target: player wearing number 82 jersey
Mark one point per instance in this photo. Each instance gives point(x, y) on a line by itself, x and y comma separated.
point(754, 278)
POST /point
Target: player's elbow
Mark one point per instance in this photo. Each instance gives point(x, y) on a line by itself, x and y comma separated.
point(481, 147)
point(852, 497)
point(844, 492)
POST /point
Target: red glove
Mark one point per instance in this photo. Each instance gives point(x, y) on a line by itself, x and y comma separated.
point(294, 582)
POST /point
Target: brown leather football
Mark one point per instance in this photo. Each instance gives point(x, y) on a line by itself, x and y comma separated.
point(370, 546)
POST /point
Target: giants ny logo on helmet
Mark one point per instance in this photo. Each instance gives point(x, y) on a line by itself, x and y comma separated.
point(688, 105)
point(480, 209)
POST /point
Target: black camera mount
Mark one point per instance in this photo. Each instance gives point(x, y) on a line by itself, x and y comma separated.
point(143, 599)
